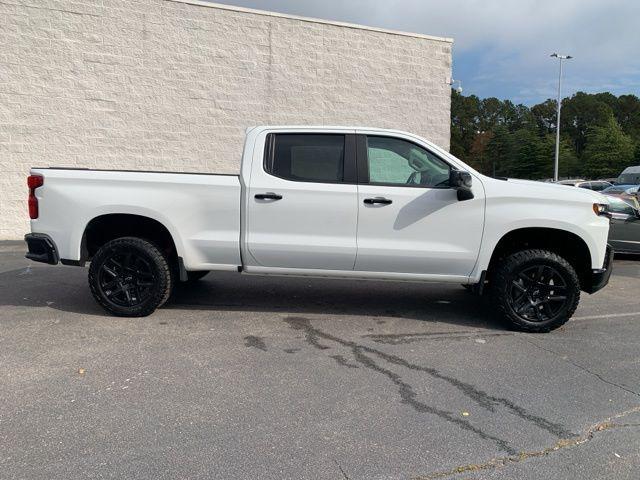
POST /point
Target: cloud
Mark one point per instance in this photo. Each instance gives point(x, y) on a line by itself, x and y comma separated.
point(502, 47)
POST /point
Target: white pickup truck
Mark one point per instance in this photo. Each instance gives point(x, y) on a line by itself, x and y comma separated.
point(339, 202)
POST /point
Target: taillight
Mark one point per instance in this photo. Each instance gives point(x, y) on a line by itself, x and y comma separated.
point(33, 182)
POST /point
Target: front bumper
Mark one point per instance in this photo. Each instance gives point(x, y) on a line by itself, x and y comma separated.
point(41, 248)
point(600, 277)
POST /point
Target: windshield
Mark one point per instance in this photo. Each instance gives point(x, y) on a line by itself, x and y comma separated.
point(629, 178)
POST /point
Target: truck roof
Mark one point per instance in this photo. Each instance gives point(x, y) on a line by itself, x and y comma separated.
point(326, 127)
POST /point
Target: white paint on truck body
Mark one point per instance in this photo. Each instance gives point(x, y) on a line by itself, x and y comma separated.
point(201, 212)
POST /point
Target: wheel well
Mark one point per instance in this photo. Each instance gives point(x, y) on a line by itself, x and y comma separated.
point(566, 244)
point(108, 227)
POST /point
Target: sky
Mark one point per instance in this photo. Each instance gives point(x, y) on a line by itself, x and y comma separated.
point(501, 47)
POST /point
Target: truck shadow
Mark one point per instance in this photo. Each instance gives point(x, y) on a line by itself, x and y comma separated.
point(66, 289)
point(416, 301)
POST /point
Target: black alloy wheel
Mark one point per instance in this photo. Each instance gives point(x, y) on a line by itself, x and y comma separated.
point(538, 293)
point(126, 278)
point(130, 277)
point(535, 290)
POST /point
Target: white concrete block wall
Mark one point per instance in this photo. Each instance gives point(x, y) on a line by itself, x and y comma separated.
point(172, 85)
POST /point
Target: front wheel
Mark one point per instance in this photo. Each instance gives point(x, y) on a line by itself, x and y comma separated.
point(130, 277)
point(535, 290)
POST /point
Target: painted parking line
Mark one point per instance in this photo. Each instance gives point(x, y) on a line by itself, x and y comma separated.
point(608, 315)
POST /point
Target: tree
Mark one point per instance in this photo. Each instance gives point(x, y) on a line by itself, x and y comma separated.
point(529, 159)
point(569, 165)
point(499, 152)
point(478, 157)
point(609, 150)
point(628, 115)
point(581, 112)
point(491, 114)
point(500, 137)
point(544, 115)
point(464, 119)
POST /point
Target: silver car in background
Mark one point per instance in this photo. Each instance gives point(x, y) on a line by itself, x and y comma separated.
point(595, 185)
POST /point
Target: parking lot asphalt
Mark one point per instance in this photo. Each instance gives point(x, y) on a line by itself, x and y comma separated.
point(273, 378)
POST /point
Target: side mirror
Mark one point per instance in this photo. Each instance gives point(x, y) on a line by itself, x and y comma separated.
point(461, 181)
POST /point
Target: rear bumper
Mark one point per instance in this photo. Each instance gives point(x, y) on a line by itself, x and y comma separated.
point(600, 277)
point(41, 248)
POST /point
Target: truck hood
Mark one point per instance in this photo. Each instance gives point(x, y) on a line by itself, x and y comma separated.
point(560, 192)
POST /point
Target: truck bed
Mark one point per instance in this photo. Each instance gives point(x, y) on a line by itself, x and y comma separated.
point(201, 211)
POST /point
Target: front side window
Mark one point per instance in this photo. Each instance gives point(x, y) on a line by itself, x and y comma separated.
point(393, 161)
point(307, 158)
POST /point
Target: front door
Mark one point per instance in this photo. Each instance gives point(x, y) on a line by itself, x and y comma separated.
point(409, 220)
point(302, 206)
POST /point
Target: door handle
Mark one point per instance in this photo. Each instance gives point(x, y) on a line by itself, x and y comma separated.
point(380, 200)
point(267, 196)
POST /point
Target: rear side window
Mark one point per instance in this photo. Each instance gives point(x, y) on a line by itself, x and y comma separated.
point(306, 157)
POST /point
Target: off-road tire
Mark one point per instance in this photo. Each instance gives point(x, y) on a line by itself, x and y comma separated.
point(508, 270)
point(160, 279)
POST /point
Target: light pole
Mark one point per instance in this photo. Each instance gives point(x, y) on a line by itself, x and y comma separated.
point(555, 165)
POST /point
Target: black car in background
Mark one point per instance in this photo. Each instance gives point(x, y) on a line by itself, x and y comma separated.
point(624, 233)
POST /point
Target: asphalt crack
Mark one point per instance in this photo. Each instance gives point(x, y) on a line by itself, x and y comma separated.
point(408, 395)
point(344, 474)
point(340, 360)
point(581, 367)
point(498, 462)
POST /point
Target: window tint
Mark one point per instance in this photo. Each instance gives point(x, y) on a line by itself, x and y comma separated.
point(393, 161)
point(307, 158)
point(587, 185)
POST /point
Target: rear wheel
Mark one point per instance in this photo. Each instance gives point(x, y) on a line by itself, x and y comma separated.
point(130, 277)
point(535, 290)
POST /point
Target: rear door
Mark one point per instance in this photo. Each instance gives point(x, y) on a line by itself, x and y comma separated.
point(302, 208)
point(409, 220)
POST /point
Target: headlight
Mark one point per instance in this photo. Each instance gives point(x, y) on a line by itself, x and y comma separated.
point(601, 209)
